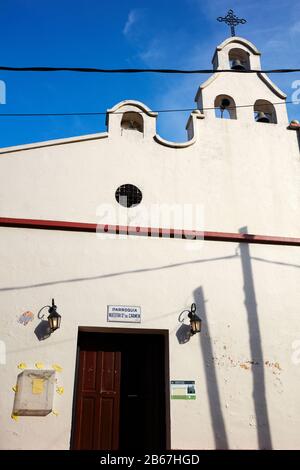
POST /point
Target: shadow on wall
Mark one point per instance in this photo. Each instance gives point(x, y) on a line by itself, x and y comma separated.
point(183, 333)
point(116, 274)
point(42, 331)
point(138, 271)
point(257, 360)
point(218, 424)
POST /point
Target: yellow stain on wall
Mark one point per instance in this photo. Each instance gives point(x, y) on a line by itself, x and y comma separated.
point(57, 367)
point(14, 417)
point(60, 390)
point(39, 365)
point(15, 388)
point(22, 365)
point(55, 412)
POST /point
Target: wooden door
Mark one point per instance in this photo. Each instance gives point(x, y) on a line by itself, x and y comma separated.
point(98, 399)
point(120, 398)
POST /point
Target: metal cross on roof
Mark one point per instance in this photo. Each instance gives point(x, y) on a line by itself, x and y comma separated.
point(232, 21)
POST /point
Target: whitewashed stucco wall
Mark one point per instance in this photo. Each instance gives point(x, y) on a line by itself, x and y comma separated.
point(240, 175)
point(85, 274)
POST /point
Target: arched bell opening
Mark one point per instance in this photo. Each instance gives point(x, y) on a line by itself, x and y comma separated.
point(239, 59)
point(132, 121)
point(225, 107)
point(264, 111)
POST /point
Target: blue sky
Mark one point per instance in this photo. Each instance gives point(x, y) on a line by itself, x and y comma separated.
point(123, 34)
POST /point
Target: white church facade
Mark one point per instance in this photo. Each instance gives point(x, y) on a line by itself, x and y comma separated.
point(125, 231)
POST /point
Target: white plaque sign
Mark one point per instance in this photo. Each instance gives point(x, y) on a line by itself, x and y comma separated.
point(124, 313)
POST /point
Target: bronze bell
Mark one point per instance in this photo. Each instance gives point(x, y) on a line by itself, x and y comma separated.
point(236, 64)
point(224, 103)
point(262, 117)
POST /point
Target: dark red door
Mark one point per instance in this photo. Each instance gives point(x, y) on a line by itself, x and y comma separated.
point(120, 397)
point(98, 399)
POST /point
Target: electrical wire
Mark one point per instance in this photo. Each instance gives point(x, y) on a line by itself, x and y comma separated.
point(98, 70)
point(140, 111)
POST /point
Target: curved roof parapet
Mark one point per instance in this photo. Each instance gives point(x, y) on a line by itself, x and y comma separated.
point(276, 90)
point(239, 40)
point(134, 103)
point(174, 145)
point(196, 114)
point(207, 82)
point(271, 85)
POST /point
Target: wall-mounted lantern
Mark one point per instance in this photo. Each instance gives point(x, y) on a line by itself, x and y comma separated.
point(53, 318)
point(186, 331)
point(194, 320)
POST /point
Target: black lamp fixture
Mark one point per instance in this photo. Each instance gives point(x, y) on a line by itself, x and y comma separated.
point(194, 320)
point(53, 318)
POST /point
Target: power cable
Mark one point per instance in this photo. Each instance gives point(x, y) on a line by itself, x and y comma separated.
point(140, 111)
point(169, 71)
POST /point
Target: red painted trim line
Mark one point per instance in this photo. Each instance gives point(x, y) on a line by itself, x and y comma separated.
point(148, 231)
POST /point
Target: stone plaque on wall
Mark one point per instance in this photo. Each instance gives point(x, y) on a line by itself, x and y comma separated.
point(34, 393)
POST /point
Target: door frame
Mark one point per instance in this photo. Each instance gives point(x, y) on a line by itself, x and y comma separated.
point(135, 331)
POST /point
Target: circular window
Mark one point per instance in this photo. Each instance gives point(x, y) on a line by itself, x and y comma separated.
point(128, 195)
